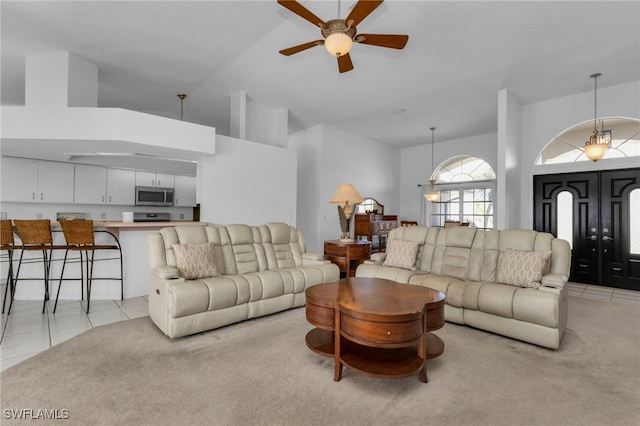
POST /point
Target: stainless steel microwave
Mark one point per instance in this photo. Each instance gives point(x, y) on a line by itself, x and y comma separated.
point(154, 196)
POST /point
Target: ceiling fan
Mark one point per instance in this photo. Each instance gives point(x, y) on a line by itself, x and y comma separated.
point(339, 34)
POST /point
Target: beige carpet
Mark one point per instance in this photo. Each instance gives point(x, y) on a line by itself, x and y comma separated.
point(261, 373)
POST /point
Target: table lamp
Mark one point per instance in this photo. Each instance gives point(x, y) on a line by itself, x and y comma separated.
point(344, 197)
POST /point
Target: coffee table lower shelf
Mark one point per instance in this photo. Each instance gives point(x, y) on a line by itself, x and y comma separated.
point(375, 362)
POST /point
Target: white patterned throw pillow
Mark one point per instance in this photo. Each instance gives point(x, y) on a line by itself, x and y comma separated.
point(522, 268)
point(195, 261)
point(401, 254)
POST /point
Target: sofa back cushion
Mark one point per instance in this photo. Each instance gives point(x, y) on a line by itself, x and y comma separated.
point(455, 260)
point(242, 246)
point(282, 246)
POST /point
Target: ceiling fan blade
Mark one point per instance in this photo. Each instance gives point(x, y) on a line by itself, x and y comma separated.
point(302, 12)
point(394, 41)
point(299, 48)
point(344, 63)
point(361, 10)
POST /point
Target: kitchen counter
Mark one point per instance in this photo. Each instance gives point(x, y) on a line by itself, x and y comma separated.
point(133, 240)
point(116, 226)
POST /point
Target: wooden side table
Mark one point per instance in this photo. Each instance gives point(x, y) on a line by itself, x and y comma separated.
point(347, 255)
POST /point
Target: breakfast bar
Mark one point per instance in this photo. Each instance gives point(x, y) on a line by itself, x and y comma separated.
point(132, 237)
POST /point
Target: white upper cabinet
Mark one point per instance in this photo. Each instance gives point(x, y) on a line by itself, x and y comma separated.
point(90, 185)
point(25, 180)
point(162, 180)
point(121, 187)
point(185, 191)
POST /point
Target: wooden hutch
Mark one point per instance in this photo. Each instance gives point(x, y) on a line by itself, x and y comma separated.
point(371, 224)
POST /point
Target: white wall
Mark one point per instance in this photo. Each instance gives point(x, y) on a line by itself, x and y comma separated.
point(247, 182)
point(331, 157)
point(308, 145)
point(415, 167)
point(543, 121)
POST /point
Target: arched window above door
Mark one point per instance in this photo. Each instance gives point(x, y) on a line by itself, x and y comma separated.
point(466, 185)
point(567, 146)
point(464, 168)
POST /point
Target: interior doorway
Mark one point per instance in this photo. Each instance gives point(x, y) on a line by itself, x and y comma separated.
point(599, 214)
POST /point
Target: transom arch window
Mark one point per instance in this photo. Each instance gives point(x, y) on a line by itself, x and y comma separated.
point(466, 186)
point(567, 147)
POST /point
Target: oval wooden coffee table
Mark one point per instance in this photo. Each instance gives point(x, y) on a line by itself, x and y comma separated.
point(384, 328)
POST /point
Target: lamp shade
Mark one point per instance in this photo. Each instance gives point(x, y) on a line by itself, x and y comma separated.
point(596, 147)
point(338, 43)
point(346, 194)
point(595, 152)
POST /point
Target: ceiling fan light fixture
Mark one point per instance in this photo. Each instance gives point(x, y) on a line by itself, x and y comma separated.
point(338, 43)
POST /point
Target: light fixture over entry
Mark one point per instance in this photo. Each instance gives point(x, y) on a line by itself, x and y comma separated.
point(432, 195)
point(596, 147)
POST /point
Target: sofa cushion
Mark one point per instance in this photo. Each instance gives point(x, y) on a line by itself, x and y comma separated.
point(195, 261)
point(522, 268)
point(401, 254)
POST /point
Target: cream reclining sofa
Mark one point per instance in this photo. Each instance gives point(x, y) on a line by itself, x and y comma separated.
point(259, 270)
point(467, 265)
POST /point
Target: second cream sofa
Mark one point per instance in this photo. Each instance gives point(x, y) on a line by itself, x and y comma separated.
point(463, 263)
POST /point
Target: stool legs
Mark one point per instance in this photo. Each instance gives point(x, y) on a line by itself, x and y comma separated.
point(86, 269)
point(10, 283)
point(46, 262)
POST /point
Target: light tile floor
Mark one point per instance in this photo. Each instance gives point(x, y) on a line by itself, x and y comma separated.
point(27, 331)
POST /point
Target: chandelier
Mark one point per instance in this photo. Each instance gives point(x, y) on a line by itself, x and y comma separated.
point(432, 195)
point(596, 147)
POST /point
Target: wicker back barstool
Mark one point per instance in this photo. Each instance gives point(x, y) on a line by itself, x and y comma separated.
point(7, 244)
point(80, 237)
point(35, 235)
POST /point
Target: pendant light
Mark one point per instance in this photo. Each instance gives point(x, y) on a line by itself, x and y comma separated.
point(596, 147)
point(432, 195)
point(182, 96)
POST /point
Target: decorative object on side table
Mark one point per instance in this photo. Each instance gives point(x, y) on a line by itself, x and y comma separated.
point(347, 195)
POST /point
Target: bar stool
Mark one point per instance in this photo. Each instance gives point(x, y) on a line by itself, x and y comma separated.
point(6, 244)
point(35, 235)
point(80, 237)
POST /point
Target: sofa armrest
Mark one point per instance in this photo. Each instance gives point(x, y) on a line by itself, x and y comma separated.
point(554, 280)
point(165, 272)
point(314, 259)
point(376, 258)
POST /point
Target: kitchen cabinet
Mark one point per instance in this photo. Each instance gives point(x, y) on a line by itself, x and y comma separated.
point(185, 191)
point(161, 180)
point(90, 185)
point(101, 185)
point(26, 180)
point(121, 187)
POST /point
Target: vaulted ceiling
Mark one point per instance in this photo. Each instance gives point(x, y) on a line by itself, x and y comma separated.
point(459, 55)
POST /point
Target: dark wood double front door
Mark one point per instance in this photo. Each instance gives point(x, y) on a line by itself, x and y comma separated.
point(604, 251)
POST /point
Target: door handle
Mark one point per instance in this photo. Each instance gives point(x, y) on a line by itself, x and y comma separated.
point(592, 237)
point(606, 238)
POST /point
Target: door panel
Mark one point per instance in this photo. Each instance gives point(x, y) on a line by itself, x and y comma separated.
point(620, 267)
point(584, 188)
point(601, 243)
